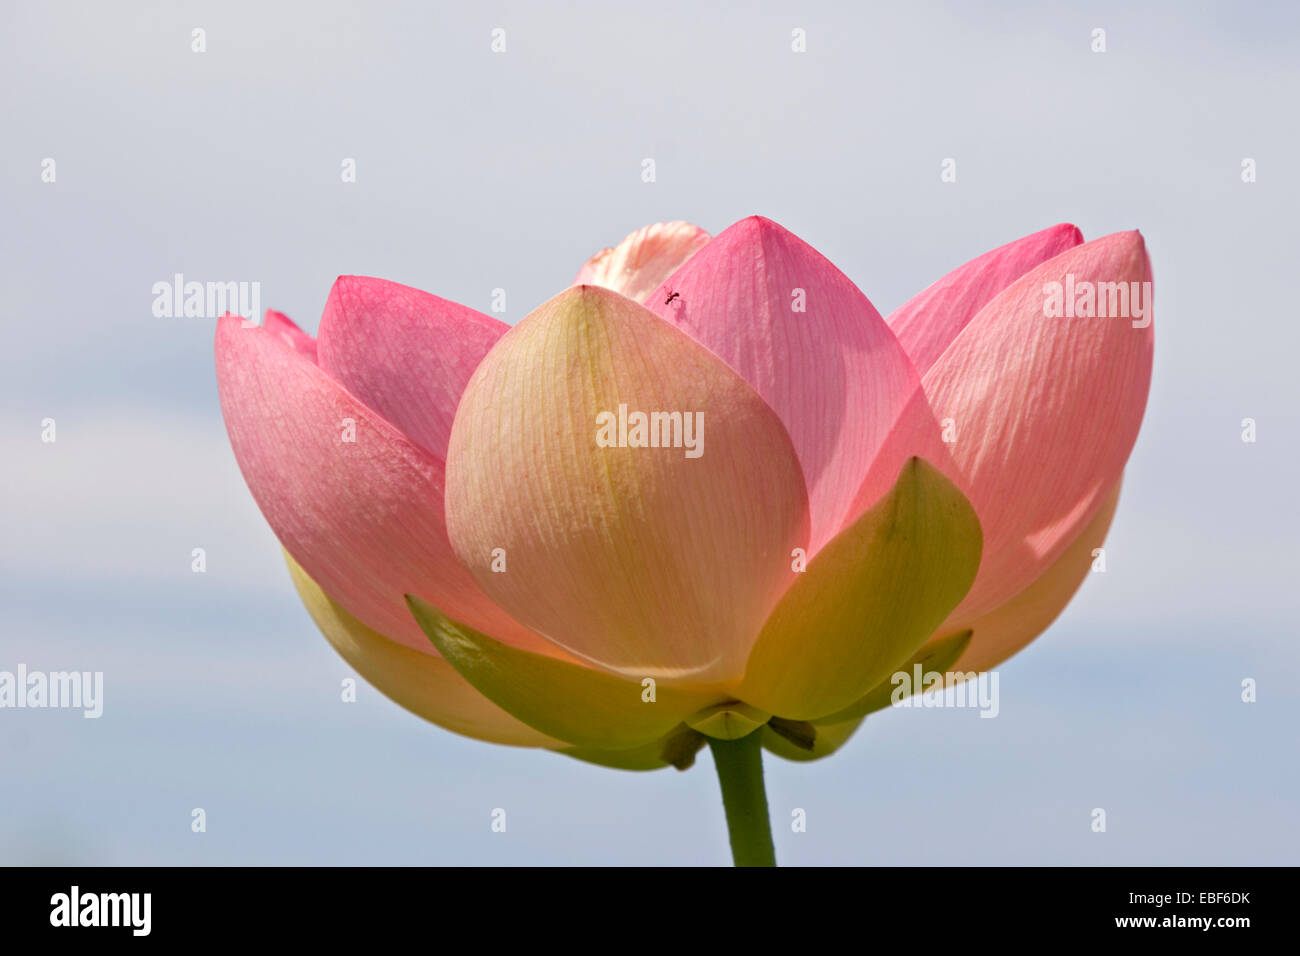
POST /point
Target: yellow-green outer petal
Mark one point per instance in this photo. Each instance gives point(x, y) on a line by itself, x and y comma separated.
point(676, 749)
point(569, 701)
point(935, 656)
point(424, 684)
point(867, 600)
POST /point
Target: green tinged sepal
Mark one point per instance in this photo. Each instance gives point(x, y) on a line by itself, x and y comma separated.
point(871, 597)
point(570, 701)
point(804, 741)
point(935, 657)
point(729, 721)
point(676, 749)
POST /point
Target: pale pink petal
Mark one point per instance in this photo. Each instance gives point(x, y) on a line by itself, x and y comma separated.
point(1044, 410)
point(280, 325)
point(405, 353)
point(928, 322)
point(353, 500)
point(647, 560)
point(808, 341)
point(644, 259)
point(1009, 627)
point(918, 433)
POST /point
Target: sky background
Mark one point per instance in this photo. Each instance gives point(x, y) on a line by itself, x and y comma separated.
point(477, 171)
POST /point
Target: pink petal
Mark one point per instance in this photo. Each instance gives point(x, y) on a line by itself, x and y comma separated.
point(642, 559)
point(644, 259)
point(1045, 411)
point(1009, 627)
point(405, 353)
point(363, 518)
point(835, 374)
point(928, 322)
point(280, 325)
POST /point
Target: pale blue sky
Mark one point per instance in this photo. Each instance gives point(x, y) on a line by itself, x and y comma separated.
point(478, 171)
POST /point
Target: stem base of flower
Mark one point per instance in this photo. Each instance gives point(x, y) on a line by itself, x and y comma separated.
point(739, 764)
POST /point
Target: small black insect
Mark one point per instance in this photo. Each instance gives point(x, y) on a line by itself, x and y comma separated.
point(671, 296)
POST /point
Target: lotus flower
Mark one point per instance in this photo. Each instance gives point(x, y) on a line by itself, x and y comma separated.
point(705, 494)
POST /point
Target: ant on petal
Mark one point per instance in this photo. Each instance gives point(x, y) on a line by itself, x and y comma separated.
point(672, 295)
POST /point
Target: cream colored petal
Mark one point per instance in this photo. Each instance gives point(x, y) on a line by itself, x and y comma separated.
point(657, 549)
point(644, 259)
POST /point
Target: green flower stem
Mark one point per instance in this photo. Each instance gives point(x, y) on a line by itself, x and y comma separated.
point(740, 773)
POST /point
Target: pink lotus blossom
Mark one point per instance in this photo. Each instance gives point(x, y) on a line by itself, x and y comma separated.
point(871, 492)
